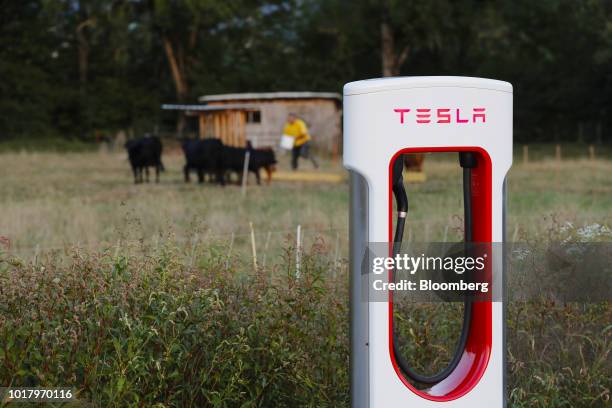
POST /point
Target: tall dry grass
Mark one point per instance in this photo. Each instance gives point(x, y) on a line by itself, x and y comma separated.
point(50, 200)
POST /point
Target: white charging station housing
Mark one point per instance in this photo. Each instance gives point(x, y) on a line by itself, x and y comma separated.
point(383, 117)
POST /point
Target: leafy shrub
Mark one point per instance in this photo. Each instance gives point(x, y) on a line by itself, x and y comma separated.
point(166, 327)
point(128, 330)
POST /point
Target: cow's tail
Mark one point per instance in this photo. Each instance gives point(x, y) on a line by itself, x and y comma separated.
point(161, 166)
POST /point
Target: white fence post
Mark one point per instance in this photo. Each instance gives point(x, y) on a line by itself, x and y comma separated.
point(337, 253)
point(253, 249)
point(245, 171)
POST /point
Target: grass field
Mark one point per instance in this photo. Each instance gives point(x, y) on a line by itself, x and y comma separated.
point(88, 199)
point(145, 294)
point(50, 200)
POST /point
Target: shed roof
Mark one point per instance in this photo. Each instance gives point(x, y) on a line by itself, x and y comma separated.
point(182, 107)
point(269, 95)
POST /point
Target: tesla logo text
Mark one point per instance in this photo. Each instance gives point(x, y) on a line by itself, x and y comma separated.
point(441, 115)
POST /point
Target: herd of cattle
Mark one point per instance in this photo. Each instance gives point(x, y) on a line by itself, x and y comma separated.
point(208, 158)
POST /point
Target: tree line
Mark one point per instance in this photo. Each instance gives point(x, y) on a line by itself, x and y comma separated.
point(77, 68)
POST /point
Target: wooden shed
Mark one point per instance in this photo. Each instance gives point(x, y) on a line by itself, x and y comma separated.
point(260, 117)
point(227, 123)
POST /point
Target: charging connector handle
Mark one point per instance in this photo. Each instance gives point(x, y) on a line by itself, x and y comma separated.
point(468, 161)
point(397, 183)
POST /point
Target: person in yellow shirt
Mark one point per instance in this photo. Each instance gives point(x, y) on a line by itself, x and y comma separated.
point(296, 128)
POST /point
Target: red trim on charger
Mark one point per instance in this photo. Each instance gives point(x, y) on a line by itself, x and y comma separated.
point(478, 348)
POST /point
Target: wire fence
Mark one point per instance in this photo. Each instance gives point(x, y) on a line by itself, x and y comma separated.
point(263, 242)
point(261, 249)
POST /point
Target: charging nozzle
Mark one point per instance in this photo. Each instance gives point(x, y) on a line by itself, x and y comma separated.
point(401, 201)
point(401, 198)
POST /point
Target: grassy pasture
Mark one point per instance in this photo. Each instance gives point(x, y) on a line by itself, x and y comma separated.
point(139, 295)
point(50, 200)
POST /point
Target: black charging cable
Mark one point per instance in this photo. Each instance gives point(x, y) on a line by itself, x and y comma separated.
point(467, 160)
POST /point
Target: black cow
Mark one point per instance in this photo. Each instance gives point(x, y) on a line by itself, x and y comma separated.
point(233, 160)
point(205, 156)
point(143, 153)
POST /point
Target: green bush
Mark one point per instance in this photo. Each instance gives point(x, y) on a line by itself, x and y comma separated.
point(142, 327)
point(140, 331)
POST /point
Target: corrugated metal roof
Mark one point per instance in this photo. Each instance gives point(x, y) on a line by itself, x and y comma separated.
point(269, 95)
point(169, 106)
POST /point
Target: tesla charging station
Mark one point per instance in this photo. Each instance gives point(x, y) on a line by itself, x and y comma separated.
point(383, 120)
